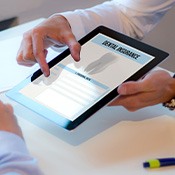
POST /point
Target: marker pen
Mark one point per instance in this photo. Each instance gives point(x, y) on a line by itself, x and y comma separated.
point(156, 163)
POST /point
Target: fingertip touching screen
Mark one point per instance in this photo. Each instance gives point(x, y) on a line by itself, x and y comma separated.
point(76, 90)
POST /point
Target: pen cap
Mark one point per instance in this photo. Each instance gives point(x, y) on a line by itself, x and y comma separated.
point(151, 164)
point(146, 164)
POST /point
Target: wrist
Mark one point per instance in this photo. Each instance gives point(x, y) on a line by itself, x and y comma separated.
point(59, 17)
point(171, 102)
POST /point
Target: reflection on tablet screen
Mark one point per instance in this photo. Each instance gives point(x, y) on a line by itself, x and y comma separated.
point(69, 90)
point(75, 90)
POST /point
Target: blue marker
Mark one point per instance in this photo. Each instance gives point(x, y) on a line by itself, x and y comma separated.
point(157, 163)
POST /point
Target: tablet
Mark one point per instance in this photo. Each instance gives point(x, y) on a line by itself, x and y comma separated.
point(76, 90)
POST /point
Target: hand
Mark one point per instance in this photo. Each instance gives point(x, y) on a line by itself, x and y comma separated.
point(8, 120)
point(52, 31)
point(157, 87)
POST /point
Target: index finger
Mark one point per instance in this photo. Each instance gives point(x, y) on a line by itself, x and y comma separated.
point(39, 52)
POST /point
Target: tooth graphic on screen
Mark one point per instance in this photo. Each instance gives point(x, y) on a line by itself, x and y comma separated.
point(102, 63)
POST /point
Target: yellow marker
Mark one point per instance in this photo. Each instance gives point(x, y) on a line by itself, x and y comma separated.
point(156, 163)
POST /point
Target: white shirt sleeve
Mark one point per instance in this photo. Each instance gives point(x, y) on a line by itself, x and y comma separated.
point(14, 156)
point(131, 17)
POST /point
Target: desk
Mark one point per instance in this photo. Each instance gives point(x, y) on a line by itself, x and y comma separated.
point(113, 141)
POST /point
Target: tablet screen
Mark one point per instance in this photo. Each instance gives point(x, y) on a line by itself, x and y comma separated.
point(73, 88)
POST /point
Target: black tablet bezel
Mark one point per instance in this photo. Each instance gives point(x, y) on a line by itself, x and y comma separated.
point(157, 53)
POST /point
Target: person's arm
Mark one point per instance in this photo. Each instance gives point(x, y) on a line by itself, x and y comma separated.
point(14, 156)
point(132, 17)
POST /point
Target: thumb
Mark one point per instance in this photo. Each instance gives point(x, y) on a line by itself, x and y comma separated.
point(75, 49)
point(130, 88)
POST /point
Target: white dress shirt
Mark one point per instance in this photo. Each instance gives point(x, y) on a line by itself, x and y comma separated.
point(131, 17)
point(14, 156)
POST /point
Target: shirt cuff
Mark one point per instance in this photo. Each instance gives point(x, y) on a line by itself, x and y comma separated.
point(12, 143)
